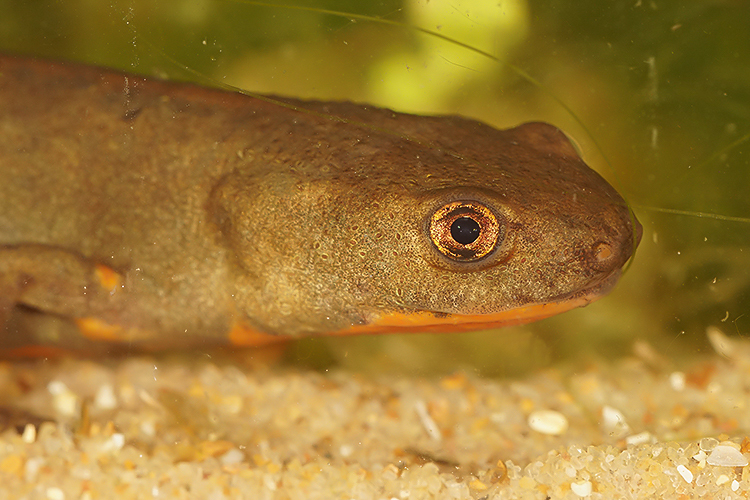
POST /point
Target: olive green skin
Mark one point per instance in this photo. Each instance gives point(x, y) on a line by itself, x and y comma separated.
point(219, 209)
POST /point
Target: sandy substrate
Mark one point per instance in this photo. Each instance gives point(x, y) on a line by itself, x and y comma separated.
point(197, 428)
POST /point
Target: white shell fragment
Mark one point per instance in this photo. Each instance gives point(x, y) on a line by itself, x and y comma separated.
point(232, 457)
point(722, 344)
point(613, 422)
point(54, 493)
point(548, 422)
point(582, 489)
point(427, 422)
point(726, 456)
point(685, 473)
point(700, 457)
point(640, 438)
point(64, 401)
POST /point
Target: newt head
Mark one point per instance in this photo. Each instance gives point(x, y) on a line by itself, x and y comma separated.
point(437, 224)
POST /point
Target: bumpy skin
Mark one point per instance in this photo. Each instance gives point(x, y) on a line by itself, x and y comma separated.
point(164, 214)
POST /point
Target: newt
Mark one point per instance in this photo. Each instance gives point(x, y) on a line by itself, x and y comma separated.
point(158, 214)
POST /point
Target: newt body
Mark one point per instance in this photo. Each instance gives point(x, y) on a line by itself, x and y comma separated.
point(163, 214)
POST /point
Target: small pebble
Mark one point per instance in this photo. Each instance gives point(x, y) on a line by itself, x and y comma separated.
point(233, 456)
point(105, 398)
point(64, 400)
point(31, 469)
point(346, 450)
point(477, 485)
point(726, 456)
point(548, 422)
point(708, 444)
point(148, 428)
point(29, 434)
point(527, 483)
point(55, 494)
point(115, 443)
point(677, 381)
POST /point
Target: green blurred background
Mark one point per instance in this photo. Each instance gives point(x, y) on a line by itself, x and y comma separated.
point(662, 87)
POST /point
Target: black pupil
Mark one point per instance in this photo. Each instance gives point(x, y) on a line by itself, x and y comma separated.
point(465, 230)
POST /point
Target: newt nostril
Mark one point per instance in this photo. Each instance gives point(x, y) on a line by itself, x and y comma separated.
point(603, 252)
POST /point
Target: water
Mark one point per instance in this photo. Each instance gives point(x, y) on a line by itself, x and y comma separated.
point(656, 94)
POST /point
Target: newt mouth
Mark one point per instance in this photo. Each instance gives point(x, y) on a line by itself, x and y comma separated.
point(434, 322)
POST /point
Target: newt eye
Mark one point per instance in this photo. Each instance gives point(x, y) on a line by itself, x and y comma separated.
point(465, 231)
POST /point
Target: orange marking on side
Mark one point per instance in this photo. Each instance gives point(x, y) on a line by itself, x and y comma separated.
point(423, 321)
point(245, 336)
point(108, 278)
point(96, 329)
